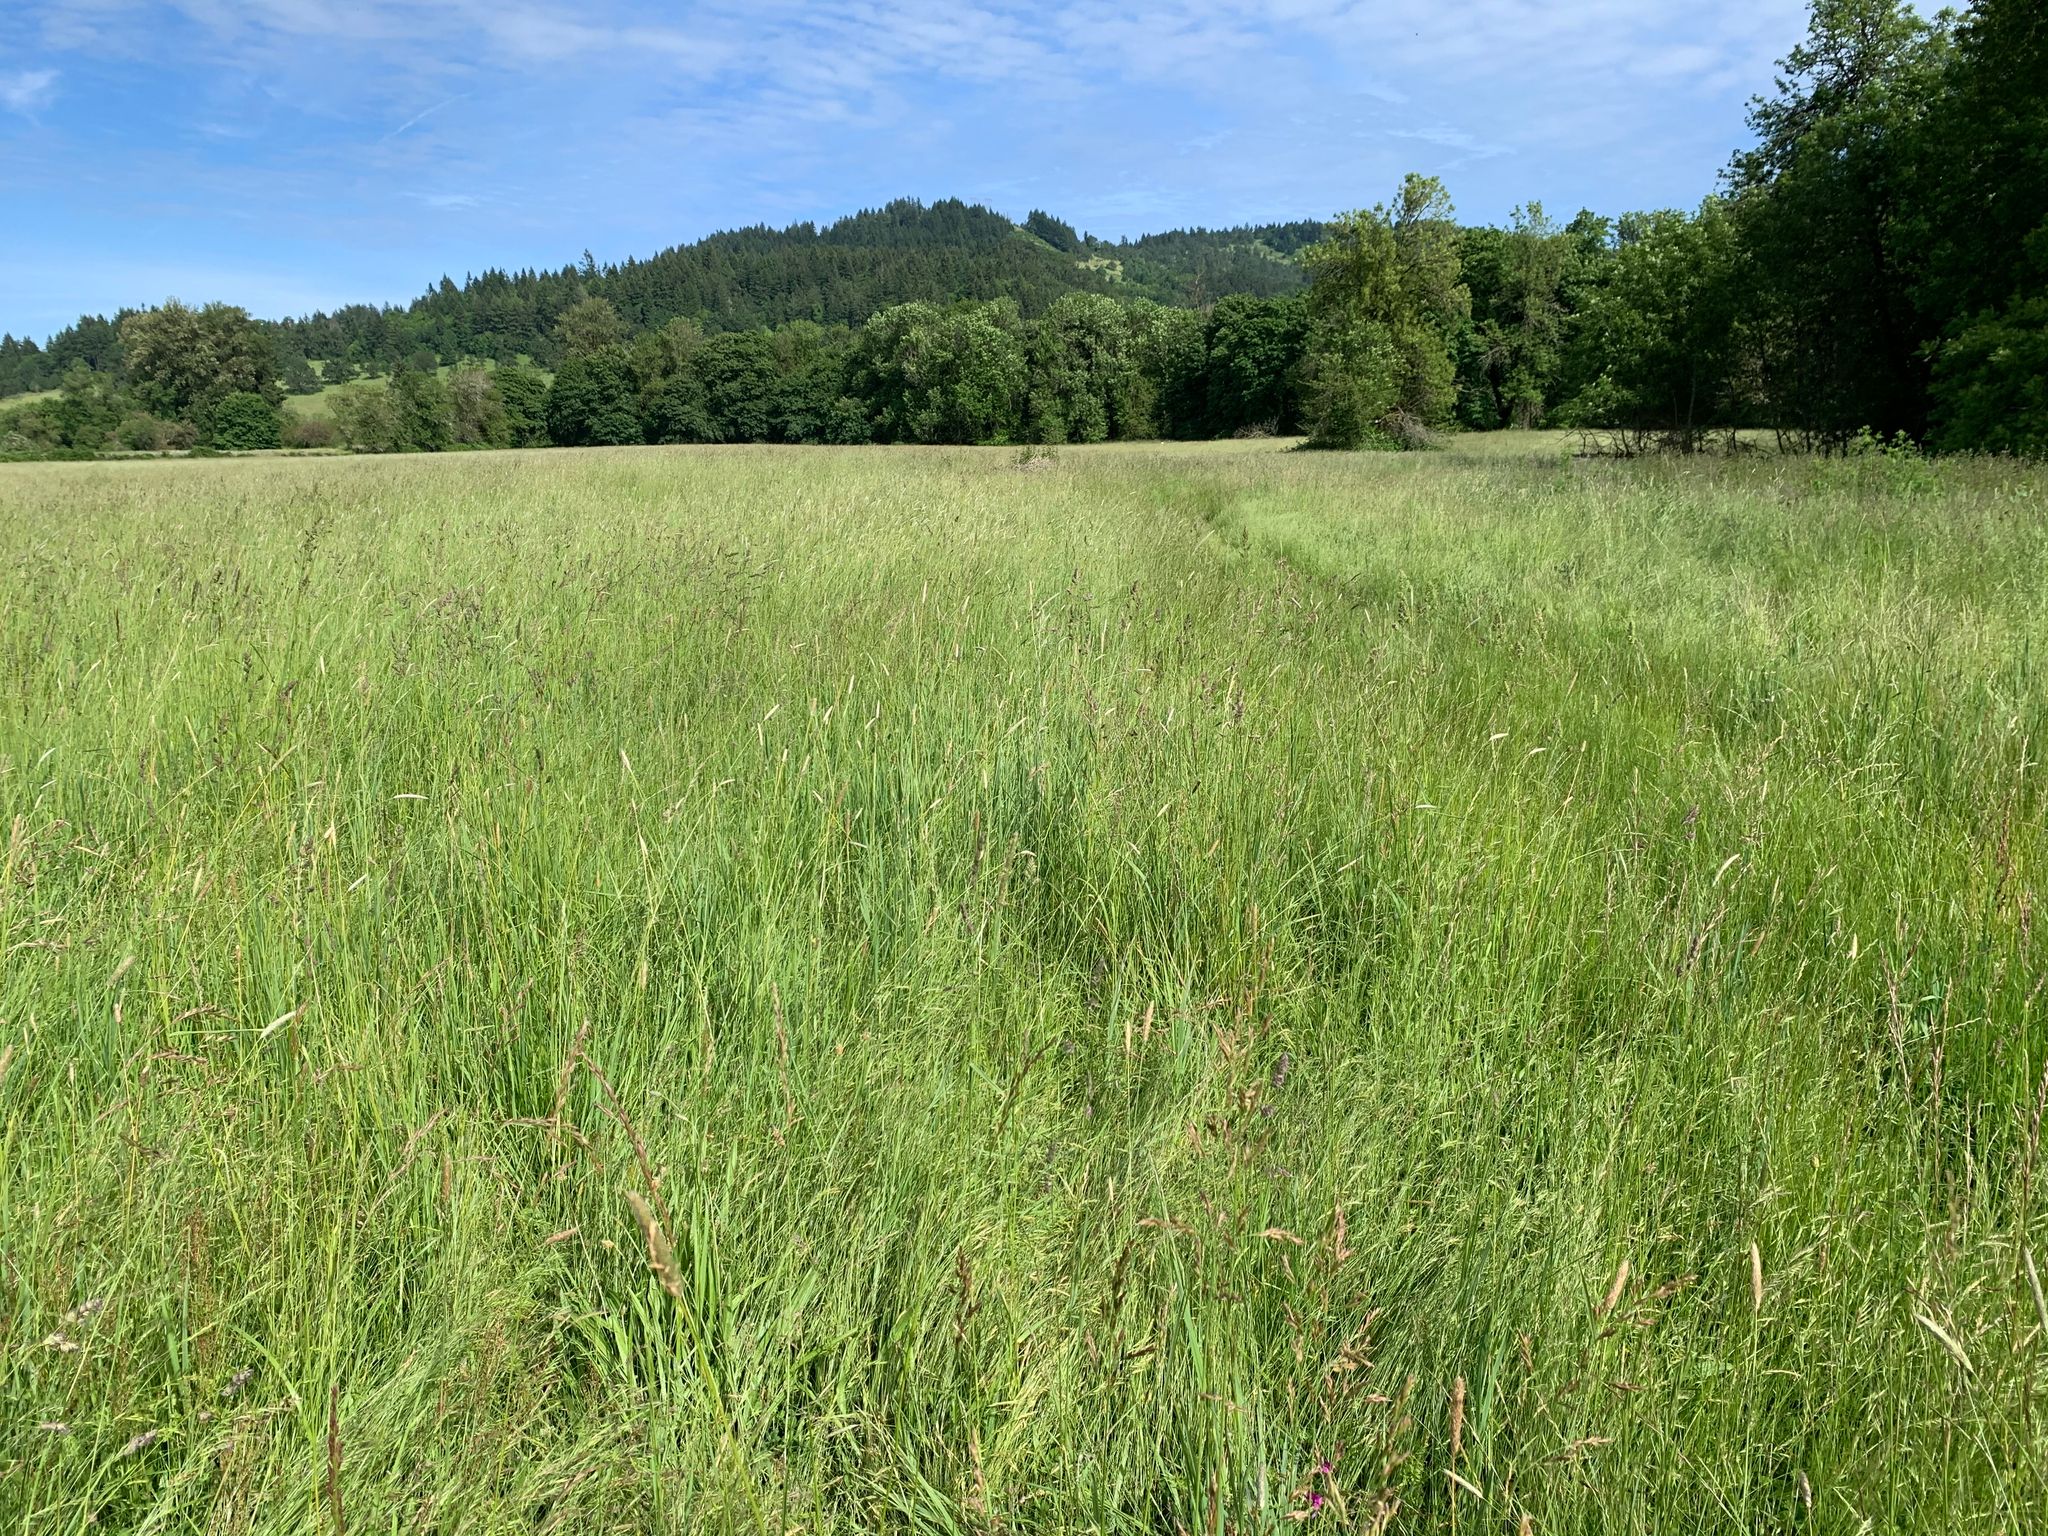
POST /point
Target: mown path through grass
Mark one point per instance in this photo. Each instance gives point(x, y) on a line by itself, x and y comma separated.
point(1183, 989)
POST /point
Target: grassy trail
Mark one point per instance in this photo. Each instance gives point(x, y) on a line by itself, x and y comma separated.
point(1190, 989)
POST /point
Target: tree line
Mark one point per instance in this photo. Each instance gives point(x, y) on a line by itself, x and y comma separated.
point(745, 279)
point(1876, 263)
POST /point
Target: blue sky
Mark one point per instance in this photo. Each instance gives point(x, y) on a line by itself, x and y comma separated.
point(294, 154)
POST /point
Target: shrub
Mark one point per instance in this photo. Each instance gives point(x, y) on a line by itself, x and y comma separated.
point(367, 419)
point(143, 433)
point(591, 404)
point(311, 432)
point(243, 421)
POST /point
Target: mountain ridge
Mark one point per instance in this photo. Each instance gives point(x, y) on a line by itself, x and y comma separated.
point(753, 277)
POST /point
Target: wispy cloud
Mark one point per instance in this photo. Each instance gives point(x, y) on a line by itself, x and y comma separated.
point(447, 199)
point(420, 117)
point(28, 90)
point(1457, 140)
point(522, 131)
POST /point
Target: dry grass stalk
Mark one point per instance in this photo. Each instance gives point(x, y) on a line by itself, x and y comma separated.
point(1614, 1291)
point(660, 1257)
point(1756, 1278)
point(618, 1113)
point(562, 1079)
point(977, 1494)
point(1457, 1419)
point(334, 1459)
point(405, 1158)
point(1947, 1341)
point(281, 1021)
point(782, 1054)
point(2034, 1284)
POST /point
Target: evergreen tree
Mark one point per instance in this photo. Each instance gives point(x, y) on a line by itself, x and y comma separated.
point(297, 375)
point(523, 396)
point(1057, 233)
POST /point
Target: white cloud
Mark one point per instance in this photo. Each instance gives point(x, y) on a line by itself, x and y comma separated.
point(527, 129)
point(1473, 63)
point(28, 90)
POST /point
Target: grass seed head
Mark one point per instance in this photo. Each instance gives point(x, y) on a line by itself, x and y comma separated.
point(660, 1257)
point(1614, 1291)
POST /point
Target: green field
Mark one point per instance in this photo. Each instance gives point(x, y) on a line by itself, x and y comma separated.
point(1165, 989)
point(319, 406)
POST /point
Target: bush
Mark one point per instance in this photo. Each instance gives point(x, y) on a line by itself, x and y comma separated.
point(244, 421)
point(476, 410)
point(424, 410)
point(1991, 384)
point(311, 432)
point(591, 403)
point(143, 433)
point(524, 395)
point(367, 419)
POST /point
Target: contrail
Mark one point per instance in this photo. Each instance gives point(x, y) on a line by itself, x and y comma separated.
point(419, 117)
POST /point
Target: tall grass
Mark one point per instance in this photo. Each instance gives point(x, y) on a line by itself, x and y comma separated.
point(1193, 989)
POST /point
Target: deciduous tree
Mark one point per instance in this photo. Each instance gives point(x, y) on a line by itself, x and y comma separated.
point(1385, 302)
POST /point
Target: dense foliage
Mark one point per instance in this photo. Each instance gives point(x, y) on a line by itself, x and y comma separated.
point(1385, 305)
point(1877, 264)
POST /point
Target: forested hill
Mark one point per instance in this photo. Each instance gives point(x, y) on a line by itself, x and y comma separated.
point(748, 279)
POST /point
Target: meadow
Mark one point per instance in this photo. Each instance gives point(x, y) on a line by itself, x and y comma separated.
point(1156, 989)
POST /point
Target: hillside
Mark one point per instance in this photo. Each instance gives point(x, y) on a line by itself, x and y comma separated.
point(838, 274)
